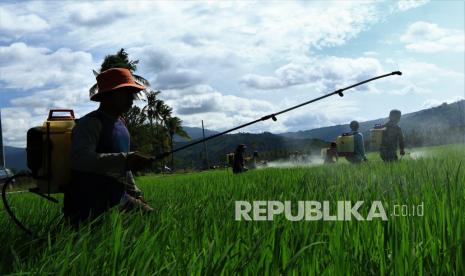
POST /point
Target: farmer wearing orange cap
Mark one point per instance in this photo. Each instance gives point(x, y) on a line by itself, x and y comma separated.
point(101, 161)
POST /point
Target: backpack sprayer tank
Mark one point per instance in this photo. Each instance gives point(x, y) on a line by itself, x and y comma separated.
point(345, 144)
point(48, 151)
point(230, 159)
point(376, 137)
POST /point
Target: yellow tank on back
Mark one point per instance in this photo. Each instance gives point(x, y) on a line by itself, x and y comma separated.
point(345, 144)
point(376, 136)
point(50, 160)
point(230, 159)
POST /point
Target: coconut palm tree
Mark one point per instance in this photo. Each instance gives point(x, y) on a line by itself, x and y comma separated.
point(120, 60)
point(173, 125)
point(165, 113)
point(152, 113)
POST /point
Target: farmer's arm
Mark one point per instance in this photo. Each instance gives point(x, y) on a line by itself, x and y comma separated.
point(84, 157)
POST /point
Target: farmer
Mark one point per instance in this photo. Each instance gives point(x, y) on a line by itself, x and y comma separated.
point(238, 166)
point(254, 160)
point(101, 163)
point(392, 136)
point(359, 147)
point(331, 154)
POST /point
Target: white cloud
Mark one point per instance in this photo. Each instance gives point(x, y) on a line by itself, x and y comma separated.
point(262, 82)
point(203, 99)
point(427, 37)
point(250, 30)
point(420, 77)
point(178, 79)
point(435, 102)
point(221, 112)
point(96, 14)
point(404, 5)
point(15, 123)
point(18, 23)
point(24, 67)
point(328, 71)
point(187, 48)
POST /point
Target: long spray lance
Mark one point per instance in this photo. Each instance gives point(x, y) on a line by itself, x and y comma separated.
point(273, 115)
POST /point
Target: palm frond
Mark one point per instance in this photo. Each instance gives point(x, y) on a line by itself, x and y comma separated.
point(141, 80)
point(93, 90)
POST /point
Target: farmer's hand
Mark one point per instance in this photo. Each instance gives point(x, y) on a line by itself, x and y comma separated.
point(137, 161)
point(402, 152)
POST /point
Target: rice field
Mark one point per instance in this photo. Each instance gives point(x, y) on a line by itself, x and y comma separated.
point(194, 230)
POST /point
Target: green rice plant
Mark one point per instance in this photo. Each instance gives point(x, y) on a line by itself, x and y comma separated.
point(194, 231)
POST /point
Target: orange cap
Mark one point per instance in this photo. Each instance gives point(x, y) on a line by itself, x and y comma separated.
point(112, 79)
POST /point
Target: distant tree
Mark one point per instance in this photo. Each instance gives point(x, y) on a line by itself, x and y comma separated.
point(165, 113)
point(173, 125)
point(152, 113)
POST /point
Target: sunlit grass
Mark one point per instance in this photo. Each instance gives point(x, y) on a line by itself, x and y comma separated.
point(194, 231)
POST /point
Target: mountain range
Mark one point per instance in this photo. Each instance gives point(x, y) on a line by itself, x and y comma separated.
point(440, 119)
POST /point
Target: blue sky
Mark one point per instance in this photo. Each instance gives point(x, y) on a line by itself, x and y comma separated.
point(228, 63)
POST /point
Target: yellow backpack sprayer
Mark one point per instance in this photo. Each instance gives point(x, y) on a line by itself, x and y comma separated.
point(376, 137)
point(48, 149)
point(345, 144)
point(48, 158)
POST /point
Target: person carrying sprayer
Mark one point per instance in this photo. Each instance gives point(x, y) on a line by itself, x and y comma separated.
point(392, 136)
point(254, 160)
point(239, 160)
point(359, 148)
point(331, 156)
point(101, 161)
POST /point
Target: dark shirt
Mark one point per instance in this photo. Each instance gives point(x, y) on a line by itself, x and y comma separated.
point(238, 161)
point(392, 136)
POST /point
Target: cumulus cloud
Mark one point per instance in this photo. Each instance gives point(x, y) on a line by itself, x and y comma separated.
point(16, 22)
point(178, 79)
point(435, 102)
point(154, 59)
point(96, 14)
point(420, 77)
point(53, 79)
point(204, 99)
point(187, 48)
point(248, 29)
point(25, 67)
point(221, 112)
point(428, 37)
point(327, 70)
point(404, 5)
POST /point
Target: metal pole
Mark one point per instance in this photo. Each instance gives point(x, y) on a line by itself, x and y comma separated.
point(2, 149)
point(205, 147)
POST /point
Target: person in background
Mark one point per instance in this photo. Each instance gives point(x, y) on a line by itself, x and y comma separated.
point(254, 160)
point(101, 164)
point(392, 136)
point(331, 154)
point(238, 166)
point(359, 147)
